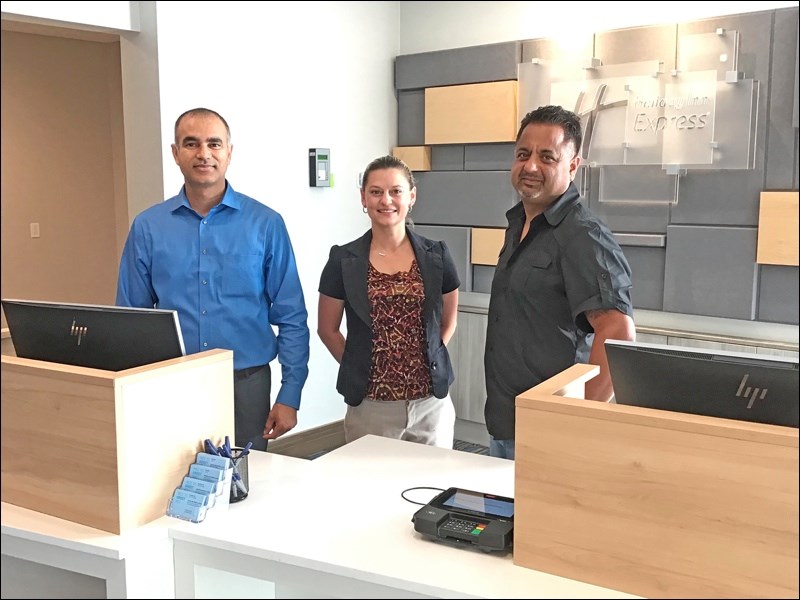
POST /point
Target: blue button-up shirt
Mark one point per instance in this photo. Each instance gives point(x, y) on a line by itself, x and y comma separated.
point(231, 275)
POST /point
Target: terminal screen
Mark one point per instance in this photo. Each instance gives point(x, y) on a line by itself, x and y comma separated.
point(495, 506)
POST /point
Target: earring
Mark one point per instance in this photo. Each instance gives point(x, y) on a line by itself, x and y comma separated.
point(411, 209)
point(364, 208)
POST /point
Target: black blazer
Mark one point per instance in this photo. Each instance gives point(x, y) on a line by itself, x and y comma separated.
point(345, 277)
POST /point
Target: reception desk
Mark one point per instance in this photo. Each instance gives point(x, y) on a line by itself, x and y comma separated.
point(338, 527)
point(655, 503)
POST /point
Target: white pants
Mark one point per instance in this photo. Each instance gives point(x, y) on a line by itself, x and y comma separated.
point(428, 420)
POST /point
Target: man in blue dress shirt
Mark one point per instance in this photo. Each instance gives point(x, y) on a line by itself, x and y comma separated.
point(224, 261)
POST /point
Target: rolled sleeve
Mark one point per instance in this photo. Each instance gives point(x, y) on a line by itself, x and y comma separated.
point(596, 275)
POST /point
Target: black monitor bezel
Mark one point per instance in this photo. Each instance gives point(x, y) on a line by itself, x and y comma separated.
point(175, 342)
point(632, 367)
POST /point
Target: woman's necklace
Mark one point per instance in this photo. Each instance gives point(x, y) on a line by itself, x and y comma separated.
point(385, 252)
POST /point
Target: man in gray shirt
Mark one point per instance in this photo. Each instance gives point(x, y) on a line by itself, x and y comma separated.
point(561, 286)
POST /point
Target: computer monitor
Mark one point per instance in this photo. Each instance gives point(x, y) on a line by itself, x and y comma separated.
point(112, 338)
point(717, 383)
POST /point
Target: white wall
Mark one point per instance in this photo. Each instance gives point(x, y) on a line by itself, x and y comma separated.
point(289, 76)
point(429, 26)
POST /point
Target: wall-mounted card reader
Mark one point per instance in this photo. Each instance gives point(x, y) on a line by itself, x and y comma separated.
point(319, 167)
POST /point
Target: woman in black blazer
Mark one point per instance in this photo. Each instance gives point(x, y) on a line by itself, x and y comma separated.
point(399, 291)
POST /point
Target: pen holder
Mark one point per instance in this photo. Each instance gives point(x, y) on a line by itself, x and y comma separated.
point(240, 486)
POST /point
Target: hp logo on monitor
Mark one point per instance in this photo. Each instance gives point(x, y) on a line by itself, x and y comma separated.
point(80, 331)
point(750, 393)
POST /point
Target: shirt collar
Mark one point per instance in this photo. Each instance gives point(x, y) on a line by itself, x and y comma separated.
point(554, 213)
point(229, 198)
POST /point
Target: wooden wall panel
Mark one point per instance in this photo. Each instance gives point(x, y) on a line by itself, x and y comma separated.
point(418, 158)
point(464, 114)
point(486, 245)
point(778, 229)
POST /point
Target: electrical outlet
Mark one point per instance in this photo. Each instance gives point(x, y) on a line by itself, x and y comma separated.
point(34, 230)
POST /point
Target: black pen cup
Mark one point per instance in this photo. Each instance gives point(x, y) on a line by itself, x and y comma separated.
point(240, 484)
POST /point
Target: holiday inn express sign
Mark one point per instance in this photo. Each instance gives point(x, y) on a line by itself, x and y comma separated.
point(638, 114)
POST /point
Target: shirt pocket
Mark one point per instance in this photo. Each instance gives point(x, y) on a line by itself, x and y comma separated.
point(539, 271)
point(242, 276)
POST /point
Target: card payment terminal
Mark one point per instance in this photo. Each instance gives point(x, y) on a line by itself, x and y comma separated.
point(461, 516)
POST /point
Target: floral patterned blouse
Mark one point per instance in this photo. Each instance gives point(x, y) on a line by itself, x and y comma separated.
point(399, 357)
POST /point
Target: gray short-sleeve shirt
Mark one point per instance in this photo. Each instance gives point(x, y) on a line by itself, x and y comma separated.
point(568, 263)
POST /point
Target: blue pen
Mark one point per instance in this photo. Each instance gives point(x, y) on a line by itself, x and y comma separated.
point(246, 449)
point(237, 480)
point(210, 448)
point(228, 445)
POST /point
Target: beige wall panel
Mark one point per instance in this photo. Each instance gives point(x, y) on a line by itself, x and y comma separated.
point(778, 229)
point(464, 114)
point(418, 158)
point(486, 245)
point(63, 168)
point(655, 503)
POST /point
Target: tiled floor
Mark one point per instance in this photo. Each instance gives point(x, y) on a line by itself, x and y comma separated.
point(470, 447)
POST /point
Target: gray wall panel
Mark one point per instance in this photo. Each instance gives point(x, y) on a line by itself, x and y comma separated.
point(411, 118)
point(796, 183)
point(796, 111)
point(782, 135)
point(708, 216)
point(637, 44)
point(755, 36)
point(777, 295)
point(475, 64)
point(581, 46)
point(711, 271)
point(636, 218)
point(471, 198)
point(731, 197)
point(482, 276)
point(488, 157)
point(458, 243)
point(447, 158)
point(647, 267)
point(719, 198)
point(634, 198)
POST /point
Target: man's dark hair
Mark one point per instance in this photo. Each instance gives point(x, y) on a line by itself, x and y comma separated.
point(556, 115)
point(204, 112)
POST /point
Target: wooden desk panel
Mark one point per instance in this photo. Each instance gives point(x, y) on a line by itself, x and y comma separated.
point(655, 503)
point(106, 449)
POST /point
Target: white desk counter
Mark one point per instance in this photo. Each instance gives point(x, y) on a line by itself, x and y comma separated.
point(136, 564)
point(338, 527)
